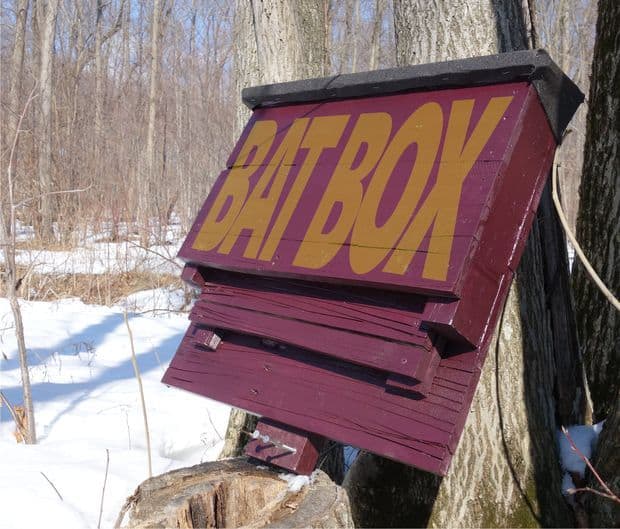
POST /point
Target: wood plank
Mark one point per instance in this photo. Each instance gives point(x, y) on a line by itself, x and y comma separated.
point(333, 401)
point(360, 349)
point(348, 315)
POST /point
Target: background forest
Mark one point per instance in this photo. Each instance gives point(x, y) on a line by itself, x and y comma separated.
point(134, 102)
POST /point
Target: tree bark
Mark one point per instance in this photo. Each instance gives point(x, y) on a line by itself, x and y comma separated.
point(47, 14)
point(233, 493)
point(375, 39)
point(505, 472)
point(599, 236)
point(149, 193)
point(603, 512)
point(275, 41)
point(8, 245)
point(15, 84)
point(599, 211)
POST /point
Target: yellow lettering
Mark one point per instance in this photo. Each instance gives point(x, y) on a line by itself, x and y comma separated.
point(258, 209)
point(370, 243)
point(440, 208)
point(345, 188)
point(324, 132)
point(236, 186)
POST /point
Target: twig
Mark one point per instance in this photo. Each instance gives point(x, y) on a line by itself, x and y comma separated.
point(608, 491)
point(105, 480)
point(213, 426)
point(49, 193)
point(139, 379)
point(53, 486)
point(158, 254)
point(594, 491)
point(18, 423)
point(578, 251)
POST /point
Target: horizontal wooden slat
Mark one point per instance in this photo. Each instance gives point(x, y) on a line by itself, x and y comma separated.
point(339, 400)
point(365, 350)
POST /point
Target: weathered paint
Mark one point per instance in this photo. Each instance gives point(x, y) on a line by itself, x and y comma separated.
point(387, 191)
point(327, 358)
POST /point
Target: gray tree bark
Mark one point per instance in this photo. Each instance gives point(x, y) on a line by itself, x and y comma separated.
point(148, 169)
point(598, 228)
point(598, 232)
point(275, 41)
point(8, 245)
point(505, 472)
point(15, 84)
point(603, 512)
point(47, 13)
point(375, 39)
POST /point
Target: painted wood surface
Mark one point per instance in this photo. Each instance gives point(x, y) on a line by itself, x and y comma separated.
point(389, 191)
point(346, 323)
point(286, 447)
point(330, 397)
point(321, 348)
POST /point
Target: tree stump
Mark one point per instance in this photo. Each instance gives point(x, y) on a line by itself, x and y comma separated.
point(233, 493)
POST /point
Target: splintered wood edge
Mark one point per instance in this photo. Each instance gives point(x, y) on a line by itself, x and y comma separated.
point(232, 493)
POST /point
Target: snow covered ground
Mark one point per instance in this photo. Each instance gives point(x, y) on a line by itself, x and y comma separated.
point(87, 401)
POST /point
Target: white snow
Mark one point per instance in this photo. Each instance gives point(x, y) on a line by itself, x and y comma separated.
point(95, 254)
point(86, 401)
point(102, 258)
point(297, 482)
point(585, 438)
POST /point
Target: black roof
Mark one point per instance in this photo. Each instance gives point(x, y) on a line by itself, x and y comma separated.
point(559, 96)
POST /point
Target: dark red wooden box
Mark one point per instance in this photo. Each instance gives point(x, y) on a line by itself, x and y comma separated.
point(355, 253)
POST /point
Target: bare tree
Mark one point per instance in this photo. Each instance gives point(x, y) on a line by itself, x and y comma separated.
point(599, 235)
point(17, 66)
point(597, 225)
point(505, 472)
point(8, 243)
point(275, 41)
point(375, 41)
point(47, 13)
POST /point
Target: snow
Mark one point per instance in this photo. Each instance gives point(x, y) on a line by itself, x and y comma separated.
point(102, 258)
point(86, 401)
point(95, 254)
point(297, 482)
point(585, 438)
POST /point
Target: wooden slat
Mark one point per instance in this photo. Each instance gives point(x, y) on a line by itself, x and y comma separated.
point(361, 349)
point(346, 404)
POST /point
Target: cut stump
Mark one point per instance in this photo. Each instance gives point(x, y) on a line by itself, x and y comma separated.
point(234, 493)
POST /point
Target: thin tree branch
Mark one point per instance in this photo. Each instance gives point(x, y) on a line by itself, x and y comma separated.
point(134, 362)
point(53, 486)
point(105, 480)
point(608, 491)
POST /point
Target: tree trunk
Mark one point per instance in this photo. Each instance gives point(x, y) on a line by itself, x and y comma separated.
point(275, 41)
point(8, 245)
point(47, 15)
point(599, 211)
point(149, 192)
point(602, 511)
point(375, 39)
point(505, 472)
point(233, 493)
point(599, 236)
point(17, 67)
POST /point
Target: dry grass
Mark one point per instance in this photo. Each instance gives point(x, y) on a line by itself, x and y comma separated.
point(100, 289)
